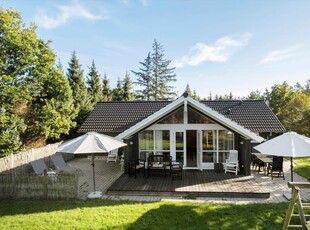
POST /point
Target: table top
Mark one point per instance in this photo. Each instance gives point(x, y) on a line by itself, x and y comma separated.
point(263, 157)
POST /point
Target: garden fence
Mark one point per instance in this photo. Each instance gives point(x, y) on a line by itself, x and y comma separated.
point(15, 161)
point(31, 186)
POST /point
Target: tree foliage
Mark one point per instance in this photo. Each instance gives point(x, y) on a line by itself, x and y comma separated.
point(30, 86)
point(155, 76)
point(128, 94)
point(118, 91)
point(94, 85)
point(106, 89)
point(79, 90)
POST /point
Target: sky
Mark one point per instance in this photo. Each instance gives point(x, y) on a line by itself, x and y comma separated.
point(216, 46)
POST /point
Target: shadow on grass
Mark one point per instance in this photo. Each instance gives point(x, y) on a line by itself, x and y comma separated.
point(104, 214)
point(16, 207)
point(212, 216)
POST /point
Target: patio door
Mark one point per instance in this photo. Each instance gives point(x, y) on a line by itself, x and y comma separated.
point(179, 146)
point(191, 148)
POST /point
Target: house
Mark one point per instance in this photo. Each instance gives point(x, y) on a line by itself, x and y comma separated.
point(198, 133)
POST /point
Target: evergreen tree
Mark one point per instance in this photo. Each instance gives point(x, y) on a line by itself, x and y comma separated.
point(79, 90)
point(145, 78)
point(94, 84)
point(106, 89)
point(255, 95)
point(162, 75)
point(128, 94)
point(155, 76)
point(118, 91)
point(188, 90)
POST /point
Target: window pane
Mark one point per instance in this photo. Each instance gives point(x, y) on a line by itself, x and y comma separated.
point(195, 117)
point(144, 155)
point(179, 140)
point(226, 140)
point(179, 156)
point(176, 117)
point(209, 139)
point(208, 157)
point(162, 139)
point(146, 140)
point(223, 157)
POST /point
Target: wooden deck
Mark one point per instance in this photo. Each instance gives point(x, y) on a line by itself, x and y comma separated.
point(194, 182)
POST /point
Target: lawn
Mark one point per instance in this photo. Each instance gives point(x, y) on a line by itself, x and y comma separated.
point(103, 214)
point(302, 167)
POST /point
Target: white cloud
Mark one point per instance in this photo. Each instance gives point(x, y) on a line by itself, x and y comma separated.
point(220, 51)
point(280, 55)
point(67, 13)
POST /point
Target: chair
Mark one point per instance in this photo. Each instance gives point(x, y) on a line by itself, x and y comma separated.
point(176, 169)
point(232, 163)
point(61, 165)
point(39, 167)
point(136, 167)
point(276, 167)
point(112, 156)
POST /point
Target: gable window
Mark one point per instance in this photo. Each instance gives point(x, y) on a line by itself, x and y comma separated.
point(177, 117)
point(194, 117)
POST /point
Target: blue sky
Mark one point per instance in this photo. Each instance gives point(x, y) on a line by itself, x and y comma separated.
point(219, 46)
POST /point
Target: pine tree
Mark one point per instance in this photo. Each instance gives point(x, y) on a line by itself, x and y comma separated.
point(155, 76)
point(188, 90)
point(128, 94)
point(106, 89)
point(94, 84)
point(118, 91)
point(162, 75)
point(145, 78)
point(79, 90)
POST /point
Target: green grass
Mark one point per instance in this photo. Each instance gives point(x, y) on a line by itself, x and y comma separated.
point(302, 167)
point(102, 214)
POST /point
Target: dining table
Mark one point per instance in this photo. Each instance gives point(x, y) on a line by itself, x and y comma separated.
point(266, 161)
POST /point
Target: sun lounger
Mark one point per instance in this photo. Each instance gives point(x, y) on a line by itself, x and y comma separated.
point(61, 165)
point(39, 166)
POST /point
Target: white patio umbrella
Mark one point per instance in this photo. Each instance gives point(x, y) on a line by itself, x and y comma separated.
point(289, 144)
point(91, 142)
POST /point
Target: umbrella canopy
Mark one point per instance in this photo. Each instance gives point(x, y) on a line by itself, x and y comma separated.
point(91, 142)
point(289, 144)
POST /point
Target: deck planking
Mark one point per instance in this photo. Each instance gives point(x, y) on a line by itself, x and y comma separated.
point(194, 182)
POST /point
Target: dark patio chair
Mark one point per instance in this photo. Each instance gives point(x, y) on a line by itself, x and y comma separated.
point(276, 167)
point(136, 166)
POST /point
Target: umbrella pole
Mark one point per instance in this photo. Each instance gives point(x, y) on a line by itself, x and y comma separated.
point(93, 164)
point(292, 169)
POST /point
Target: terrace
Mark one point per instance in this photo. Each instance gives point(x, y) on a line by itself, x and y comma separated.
point(205, 185)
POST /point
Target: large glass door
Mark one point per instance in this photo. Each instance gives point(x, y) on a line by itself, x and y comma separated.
point(191, 148)
point(179, 146)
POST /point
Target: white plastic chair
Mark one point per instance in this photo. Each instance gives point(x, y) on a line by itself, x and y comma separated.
point(112, 156)
point(232, 163)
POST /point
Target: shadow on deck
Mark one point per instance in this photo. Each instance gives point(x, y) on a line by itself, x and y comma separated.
point(194, 182)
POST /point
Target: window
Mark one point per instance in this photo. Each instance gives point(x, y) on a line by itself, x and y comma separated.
point(154, 142)
point(146, 144)
point(176, 117)
point(179, 146)
point(226, 143)
point(209, 142)
point(194, 117)
point(162, 141)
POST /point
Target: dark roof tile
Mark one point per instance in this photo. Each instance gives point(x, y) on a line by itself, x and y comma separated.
point(112, 117)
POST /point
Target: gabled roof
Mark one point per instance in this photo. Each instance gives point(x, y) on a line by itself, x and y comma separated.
point(221, 119)
point(116, 117)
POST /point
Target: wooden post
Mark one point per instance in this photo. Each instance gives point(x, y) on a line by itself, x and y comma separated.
point(290, 209)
